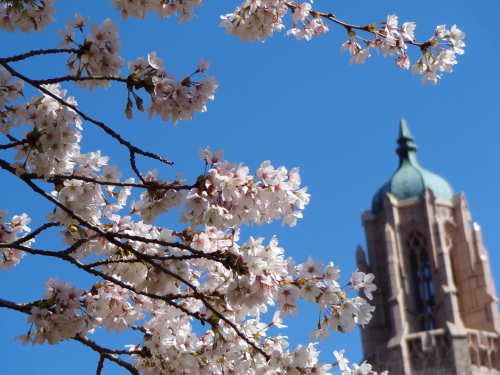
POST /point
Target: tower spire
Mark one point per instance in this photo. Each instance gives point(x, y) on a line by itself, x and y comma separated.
point(407, 148)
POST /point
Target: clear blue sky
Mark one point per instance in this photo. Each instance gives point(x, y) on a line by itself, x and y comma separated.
point(298, 104)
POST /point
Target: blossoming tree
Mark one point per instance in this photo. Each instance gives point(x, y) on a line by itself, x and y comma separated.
point(202, 300)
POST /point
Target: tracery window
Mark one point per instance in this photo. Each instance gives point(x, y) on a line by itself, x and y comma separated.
point(423, 287)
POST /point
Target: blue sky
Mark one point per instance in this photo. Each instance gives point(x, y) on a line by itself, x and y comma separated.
point(298, 104)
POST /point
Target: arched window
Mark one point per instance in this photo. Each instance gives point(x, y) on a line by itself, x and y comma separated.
point(423, 288)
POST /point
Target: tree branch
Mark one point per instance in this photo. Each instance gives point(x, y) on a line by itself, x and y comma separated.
point(11, 145)
point(70, 78)
point(33, 234)
point(331, 17)
point(100, 365)
point(145, 185)
point(21, 307)
point(107, 353)
point(134, 167)
point(37, 53)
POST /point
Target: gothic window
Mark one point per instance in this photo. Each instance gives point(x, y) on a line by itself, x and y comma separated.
point(423, 288)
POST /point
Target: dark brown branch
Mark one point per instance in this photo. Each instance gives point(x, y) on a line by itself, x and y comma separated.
point(103, 262)
point(101, 125)
point(134, 167)
point(75, 246)
point(37, 53)
point(102, 275)
point(331, 17)
point(100, 365)
point(138, 328)
point(145, 185)
point(35, 233)
point(108, 353)
point(70, 78)
point(11, 145)
point(21, 307)
point(11, 138)
point(213, 256)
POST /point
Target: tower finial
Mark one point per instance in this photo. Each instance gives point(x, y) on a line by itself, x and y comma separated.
point(405, 141)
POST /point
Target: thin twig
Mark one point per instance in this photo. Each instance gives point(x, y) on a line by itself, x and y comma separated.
point(100, 365)
point(331, 17)
point(107, 353)
point(134, 167)
point(35, 233)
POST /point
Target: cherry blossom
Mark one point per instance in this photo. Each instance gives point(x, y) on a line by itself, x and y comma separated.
point(26, 15)
point(171, 99)
point(98, 54)
point(436, 59)
point(139, 9)
point(403, 62)
point(10, 232)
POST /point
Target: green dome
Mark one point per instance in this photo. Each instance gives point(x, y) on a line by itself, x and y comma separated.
point(410, 180)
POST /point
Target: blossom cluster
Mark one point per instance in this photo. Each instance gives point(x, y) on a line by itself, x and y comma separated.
point(257, 20)
point(175, 348)
point(393, 40)
point(394, 37)
point(51, 145)
point(9, 91)
point(88, 199)
point(98, 53)
point(57, 317)
point(26, 15)
point(171, 99)
point(65, 311)
point(10, 232)
point(240, 286)
point(355, 369)
point(308, 27)
point(437, 58)
point(229, 196)
point(164, 9)
point(97, 56)
point(160, 278)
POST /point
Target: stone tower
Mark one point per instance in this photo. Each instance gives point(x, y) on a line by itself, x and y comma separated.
point(436, 310)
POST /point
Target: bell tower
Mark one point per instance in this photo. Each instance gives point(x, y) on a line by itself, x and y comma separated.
point(436, 309)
